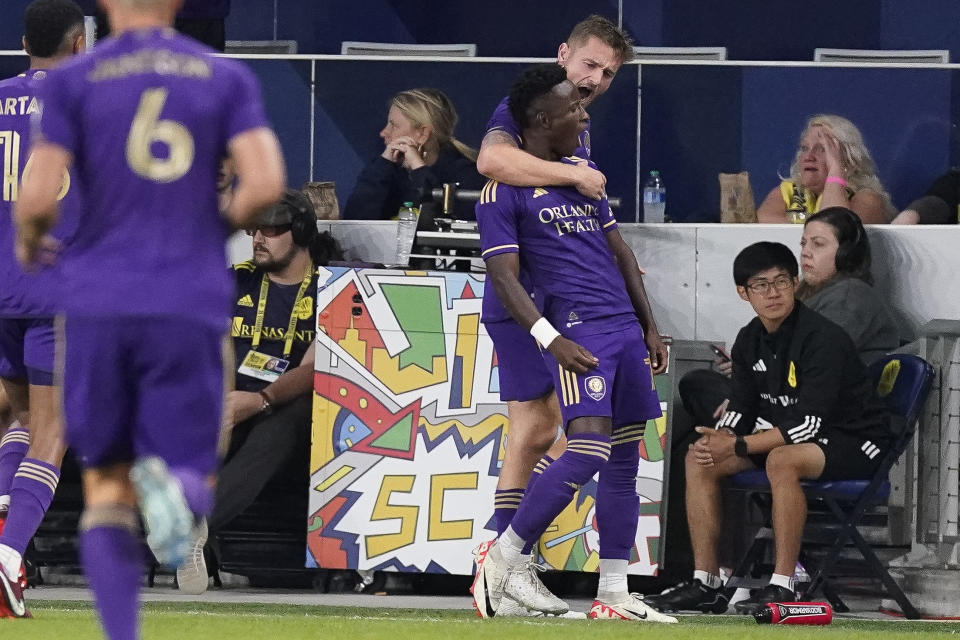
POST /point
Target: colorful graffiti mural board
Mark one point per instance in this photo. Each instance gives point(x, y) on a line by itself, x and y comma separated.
point(409, 433)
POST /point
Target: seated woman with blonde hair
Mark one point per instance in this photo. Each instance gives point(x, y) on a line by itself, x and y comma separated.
point(420, 153)
point(832, 168)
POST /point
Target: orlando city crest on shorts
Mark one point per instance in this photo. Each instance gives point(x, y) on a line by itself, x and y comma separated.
point(596, 387)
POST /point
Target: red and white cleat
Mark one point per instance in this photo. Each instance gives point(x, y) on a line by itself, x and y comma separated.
point(478, 588)
point(633, 608)
point(11, 598)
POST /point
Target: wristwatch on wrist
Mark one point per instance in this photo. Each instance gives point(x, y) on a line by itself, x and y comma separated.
point(266, 408)
point(740, 447)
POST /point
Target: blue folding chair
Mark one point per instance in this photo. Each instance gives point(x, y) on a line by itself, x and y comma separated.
point(903, 382)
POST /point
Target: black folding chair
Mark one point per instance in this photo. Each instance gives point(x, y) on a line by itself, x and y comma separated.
point(903, 382)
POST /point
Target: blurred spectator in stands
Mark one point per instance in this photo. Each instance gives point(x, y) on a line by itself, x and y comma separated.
point(203, 20)
point(832, 168)
point(940, 205)
point(420, 153)
point(269, 412)
point(836, 283)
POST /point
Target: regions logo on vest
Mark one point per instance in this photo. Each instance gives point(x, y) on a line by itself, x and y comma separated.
point(304, 308)
point(596, 387)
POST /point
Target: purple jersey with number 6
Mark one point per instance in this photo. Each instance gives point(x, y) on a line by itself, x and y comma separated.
point(147, 117)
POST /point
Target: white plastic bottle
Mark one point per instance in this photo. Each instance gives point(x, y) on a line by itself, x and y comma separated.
point(654, 198)
point(406, 230)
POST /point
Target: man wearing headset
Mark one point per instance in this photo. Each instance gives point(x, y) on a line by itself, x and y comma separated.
point(268, 413)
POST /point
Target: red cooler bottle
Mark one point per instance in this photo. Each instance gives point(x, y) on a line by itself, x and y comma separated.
point(794, 613)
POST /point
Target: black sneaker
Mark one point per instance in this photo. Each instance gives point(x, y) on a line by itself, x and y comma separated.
point(761, 597)
point(690, 595)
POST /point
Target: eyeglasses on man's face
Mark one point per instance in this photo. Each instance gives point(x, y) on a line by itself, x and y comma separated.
point(269, 230)
point(762, 287)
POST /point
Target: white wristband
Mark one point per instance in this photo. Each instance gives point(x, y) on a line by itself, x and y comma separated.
point(544, 332)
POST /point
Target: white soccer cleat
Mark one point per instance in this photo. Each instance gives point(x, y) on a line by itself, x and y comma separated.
point(192, 576)
point(633, 608)
point(166, 516)
point(523, 585)
point(510, 608)
point(491, 577)
point(479, 588)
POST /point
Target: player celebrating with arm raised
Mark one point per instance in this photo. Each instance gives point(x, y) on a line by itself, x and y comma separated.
point(146, 120)
point(599, 362)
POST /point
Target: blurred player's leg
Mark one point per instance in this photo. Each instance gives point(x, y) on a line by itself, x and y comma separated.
point(110, 549)
point(532, 435)
point(36, 478)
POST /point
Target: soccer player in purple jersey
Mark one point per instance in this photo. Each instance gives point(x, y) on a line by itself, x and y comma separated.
point(145, 121)
point(591, 57)
point(32, 449)
point(588, 284)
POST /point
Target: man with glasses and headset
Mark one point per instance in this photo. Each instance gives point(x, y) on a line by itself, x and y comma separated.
point(803, 407)
point(268, 413)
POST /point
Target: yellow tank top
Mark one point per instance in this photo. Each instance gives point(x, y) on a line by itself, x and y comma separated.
point(800, 203)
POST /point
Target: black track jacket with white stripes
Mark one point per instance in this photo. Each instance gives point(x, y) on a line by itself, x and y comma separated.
point(806, 380)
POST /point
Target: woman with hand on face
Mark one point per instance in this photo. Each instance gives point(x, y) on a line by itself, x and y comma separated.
point(832, 168)
point(420, 153)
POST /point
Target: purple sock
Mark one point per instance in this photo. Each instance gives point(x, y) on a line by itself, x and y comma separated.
point(31, 493)
point(113, 561)
point(618, 505)
point(586, 453)
point(538, 470)
point(505, 503)
point(13, 447)
point(196, 490)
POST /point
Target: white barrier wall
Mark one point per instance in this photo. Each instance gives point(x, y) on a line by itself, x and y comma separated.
point(690, 274)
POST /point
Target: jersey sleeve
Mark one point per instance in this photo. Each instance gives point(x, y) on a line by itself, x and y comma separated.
point(57, 121)
point(497, 219)
point(244, 104)
point(605, 216)
point(501, 120)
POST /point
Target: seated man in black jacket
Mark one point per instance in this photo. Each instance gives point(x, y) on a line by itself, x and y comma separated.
point(268, 414)
point(803, 407)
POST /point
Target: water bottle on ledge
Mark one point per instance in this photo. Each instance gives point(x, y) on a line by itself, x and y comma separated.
point(654, 198)
point(406, 231)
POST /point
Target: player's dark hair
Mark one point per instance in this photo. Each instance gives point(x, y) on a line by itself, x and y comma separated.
point(761, 256)
point(533, 83)
point(597, 26)
point(48, 24)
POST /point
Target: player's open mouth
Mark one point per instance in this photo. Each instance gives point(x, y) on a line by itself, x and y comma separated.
point(585, 92)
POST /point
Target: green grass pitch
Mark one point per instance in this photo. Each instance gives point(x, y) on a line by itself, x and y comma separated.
point(60, 620)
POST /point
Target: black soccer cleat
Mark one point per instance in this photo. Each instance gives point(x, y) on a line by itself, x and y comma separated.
point(759, 598)
point(690, 595)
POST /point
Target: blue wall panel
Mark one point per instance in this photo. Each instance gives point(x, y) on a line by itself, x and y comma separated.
point(690, 132)
point(286, 95)
point(531, 28)
point(764, 30)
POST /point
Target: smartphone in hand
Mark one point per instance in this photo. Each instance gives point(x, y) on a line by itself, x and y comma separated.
point(720, 353)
